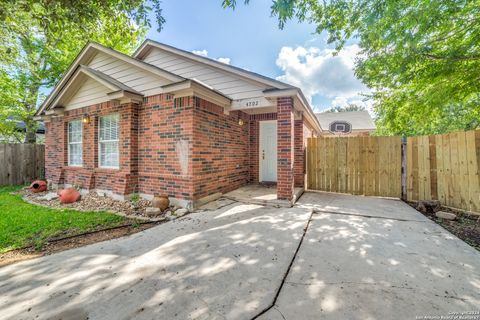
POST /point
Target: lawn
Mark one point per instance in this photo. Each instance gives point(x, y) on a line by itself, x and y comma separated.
point(23, 224)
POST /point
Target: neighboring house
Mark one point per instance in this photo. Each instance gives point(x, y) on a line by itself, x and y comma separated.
point(352, 123)
point(171, 122)
point(20, 134)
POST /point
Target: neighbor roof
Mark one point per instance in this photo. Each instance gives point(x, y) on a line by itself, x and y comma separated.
point(360, 120)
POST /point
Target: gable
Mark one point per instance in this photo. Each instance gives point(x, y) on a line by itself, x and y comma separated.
point(87, 92)
point(228, 83)
point(141, 77)
point(128, 74)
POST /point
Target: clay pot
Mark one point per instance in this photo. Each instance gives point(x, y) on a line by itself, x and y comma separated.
point(38, 186)
point(161, 202)
point(69, 195)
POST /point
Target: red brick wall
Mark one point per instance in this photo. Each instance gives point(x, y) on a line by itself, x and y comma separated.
point(220, 149)
point(299, 166)
point(165, 126)
point(186, 148)
point(119, 181)
point(254, 142)
point(285, 147)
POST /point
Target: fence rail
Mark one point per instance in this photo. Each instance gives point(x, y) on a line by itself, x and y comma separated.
point(358, 165)
point(21, 163)
point(445, 168)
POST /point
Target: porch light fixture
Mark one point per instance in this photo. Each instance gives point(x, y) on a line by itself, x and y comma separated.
point(86, 118)
point(241, 122)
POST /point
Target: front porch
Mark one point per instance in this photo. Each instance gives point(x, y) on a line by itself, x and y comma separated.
point(263, 194)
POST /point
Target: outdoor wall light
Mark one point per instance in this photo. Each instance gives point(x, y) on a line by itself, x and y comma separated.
point(241, 122)
point(86, 118)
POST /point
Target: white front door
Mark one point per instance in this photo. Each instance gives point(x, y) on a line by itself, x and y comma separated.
point(268, 151)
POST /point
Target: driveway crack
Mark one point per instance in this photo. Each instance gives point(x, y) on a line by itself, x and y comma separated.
point(272, 304)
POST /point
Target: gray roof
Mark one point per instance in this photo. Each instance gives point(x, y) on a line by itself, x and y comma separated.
point(360, 120)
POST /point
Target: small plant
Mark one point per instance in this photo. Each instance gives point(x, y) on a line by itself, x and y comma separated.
point(135, 198)
point(77, 187)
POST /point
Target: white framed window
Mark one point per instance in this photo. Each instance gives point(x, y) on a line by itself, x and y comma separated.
point(75, 147)
point(339, 127)
point(108, 138)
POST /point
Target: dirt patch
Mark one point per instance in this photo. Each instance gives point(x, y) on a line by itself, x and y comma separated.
point(465, 226)
point(66, 243)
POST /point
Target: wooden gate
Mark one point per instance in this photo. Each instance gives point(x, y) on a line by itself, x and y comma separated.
point(370, 166)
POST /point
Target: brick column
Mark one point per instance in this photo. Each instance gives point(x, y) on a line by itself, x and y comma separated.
point(285, 148)
point(128, 148)
point(299, 165)
point(55, 154)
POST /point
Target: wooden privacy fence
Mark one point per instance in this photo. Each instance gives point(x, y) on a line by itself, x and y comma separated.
point(445, 168)
point(358, 165)
point(21, 163)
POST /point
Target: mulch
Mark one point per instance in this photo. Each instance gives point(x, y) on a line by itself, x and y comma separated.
point(466, 226)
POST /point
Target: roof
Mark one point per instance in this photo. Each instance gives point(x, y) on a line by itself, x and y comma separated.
point(360, 120)
point(147, 44)
point(272, 87)
point(40, 129)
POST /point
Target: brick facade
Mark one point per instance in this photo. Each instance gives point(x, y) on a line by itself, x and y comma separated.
point(285, 148)
point(186, 148)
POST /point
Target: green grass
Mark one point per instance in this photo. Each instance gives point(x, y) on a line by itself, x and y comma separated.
point(23, 224)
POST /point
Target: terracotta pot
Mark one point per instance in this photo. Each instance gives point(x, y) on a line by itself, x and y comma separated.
point(38, 186)
point(69, 195)
point(161, 202)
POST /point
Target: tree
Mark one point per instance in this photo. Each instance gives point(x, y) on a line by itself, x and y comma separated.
point(349, 108)
point(420, 58)
point(39, 40)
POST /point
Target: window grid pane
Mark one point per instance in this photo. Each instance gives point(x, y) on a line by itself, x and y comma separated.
point(108, 141)
point(75, 146)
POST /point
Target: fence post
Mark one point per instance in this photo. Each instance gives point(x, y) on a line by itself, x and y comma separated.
point(404, 168)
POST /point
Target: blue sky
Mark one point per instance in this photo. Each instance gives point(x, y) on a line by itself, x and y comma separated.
point(251, 39)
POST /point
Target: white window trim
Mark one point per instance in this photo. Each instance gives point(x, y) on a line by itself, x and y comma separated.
point(340, 127)
point(70, 143)
point(100, 143)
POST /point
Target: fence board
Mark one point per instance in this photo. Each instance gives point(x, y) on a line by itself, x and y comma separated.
point(357, 165)
point(21, 163)
point(448, 170)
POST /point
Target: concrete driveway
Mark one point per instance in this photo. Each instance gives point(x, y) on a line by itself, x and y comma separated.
point(370, 258)
point(360, 258)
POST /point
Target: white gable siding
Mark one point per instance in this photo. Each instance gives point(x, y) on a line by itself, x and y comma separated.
point(133, 77)
point(234, 86)
point(89, 92)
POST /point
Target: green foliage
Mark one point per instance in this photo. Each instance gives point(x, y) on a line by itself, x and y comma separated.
point(39, 40)
point(135, 198)
point(23, 224)
point(420, 58)
point(349, 108)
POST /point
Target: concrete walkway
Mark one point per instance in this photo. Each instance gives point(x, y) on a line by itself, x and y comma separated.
point(225, 264)
point(360, 258)
point(378, 259)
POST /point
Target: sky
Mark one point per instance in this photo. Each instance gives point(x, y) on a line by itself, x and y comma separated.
point(248, 37)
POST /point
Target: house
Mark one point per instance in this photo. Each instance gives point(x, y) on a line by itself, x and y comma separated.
point(352, 123)
point(19, 135)
point(171, 122)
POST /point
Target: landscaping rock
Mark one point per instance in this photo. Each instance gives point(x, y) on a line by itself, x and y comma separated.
point(152, 211)
point(170, 215)
point(446, 215)
point(48, 197)
point(181, 212)
point(93, 202)
point(429, 206)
